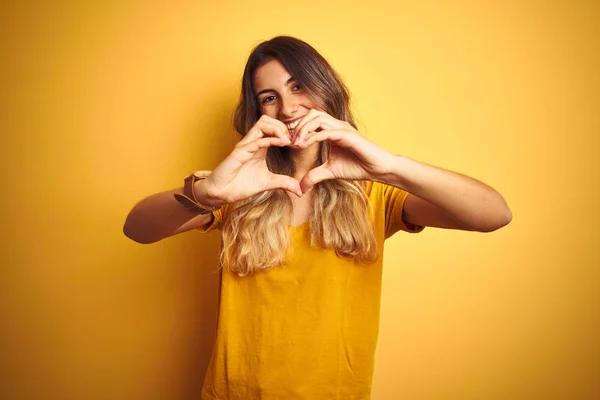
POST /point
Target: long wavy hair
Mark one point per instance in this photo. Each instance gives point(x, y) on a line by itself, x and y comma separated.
point(255, 231)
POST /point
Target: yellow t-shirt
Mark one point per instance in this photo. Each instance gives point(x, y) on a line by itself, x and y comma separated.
point(307, 331)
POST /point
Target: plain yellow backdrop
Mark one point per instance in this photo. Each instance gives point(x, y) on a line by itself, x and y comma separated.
point(105, 103)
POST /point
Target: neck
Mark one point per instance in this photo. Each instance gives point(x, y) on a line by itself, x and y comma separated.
point(304, 159)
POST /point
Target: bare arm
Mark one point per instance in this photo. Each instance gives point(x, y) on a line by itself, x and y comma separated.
point(447, 199)
point(241, 175)
point(159, 216)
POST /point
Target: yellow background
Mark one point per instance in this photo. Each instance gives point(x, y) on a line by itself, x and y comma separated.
point(103, 104)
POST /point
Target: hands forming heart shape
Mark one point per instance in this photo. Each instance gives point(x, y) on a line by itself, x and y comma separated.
point(244, 172)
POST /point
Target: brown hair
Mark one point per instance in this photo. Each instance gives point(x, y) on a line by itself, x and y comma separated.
point(305, 64)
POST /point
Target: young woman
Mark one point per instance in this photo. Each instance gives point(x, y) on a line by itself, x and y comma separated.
point(304, 203)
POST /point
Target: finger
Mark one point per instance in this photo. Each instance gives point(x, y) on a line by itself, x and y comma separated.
point(284, 182)
point(268, 128)
point(309, 115)
point(275, 129)
point(253, 147)
point(272, 127)
point(253, 134)
point(312, 114)
point(341, 137)
point(318, 123)
point(278, 123)
point(264, 127)
point(314, 176)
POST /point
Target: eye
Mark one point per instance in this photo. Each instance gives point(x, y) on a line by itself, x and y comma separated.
point(297, 86)
point(268, 99)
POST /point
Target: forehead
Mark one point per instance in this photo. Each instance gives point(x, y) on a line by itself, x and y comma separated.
point(272, 75)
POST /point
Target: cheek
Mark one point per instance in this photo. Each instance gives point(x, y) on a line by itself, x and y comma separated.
point(269, 111)
point(309, 103)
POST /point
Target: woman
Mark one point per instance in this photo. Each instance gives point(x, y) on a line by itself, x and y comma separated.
point(305, 203)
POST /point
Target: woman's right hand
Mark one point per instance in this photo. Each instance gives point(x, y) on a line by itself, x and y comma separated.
point(244, 172)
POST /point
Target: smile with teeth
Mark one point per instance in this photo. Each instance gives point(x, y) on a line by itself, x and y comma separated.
point(292, 126)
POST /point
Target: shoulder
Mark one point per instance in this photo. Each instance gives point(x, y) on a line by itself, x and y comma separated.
point(377, 191)
point(388, 203)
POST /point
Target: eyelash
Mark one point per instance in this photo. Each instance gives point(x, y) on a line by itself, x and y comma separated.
point(297, 85)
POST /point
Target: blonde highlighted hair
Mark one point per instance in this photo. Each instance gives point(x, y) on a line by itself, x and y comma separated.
point(255, 232)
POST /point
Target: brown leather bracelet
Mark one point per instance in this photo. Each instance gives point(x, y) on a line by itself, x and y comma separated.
point(188, 198)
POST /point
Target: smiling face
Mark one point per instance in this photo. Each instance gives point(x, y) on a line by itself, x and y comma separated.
point(280, 95)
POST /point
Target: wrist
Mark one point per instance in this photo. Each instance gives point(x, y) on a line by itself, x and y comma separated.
point(189, 199)
point(205, 196)
point(396, 174)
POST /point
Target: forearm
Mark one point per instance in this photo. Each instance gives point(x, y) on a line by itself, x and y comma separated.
point(159, 216)
point(473, 204)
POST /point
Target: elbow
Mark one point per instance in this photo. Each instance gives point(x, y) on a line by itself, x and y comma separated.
point(134, 235)
point(498, 217)
point(507, 217)
point(137, 230)
point(502, 219)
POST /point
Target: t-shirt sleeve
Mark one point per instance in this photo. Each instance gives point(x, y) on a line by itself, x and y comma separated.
point(393, 199)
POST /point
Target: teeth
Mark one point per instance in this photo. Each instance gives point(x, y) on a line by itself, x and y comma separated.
point(292, 125)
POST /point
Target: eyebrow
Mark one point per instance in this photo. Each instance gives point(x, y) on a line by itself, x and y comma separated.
point(272, 90)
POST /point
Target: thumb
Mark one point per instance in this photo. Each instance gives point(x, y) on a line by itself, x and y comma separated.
point(284, 182)
point(314, 176)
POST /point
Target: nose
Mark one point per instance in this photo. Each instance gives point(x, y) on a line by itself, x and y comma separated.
point(289, 105)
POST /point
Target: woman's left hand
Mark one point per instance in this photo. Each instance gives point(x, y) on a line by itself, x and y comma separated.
point(351, 155)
